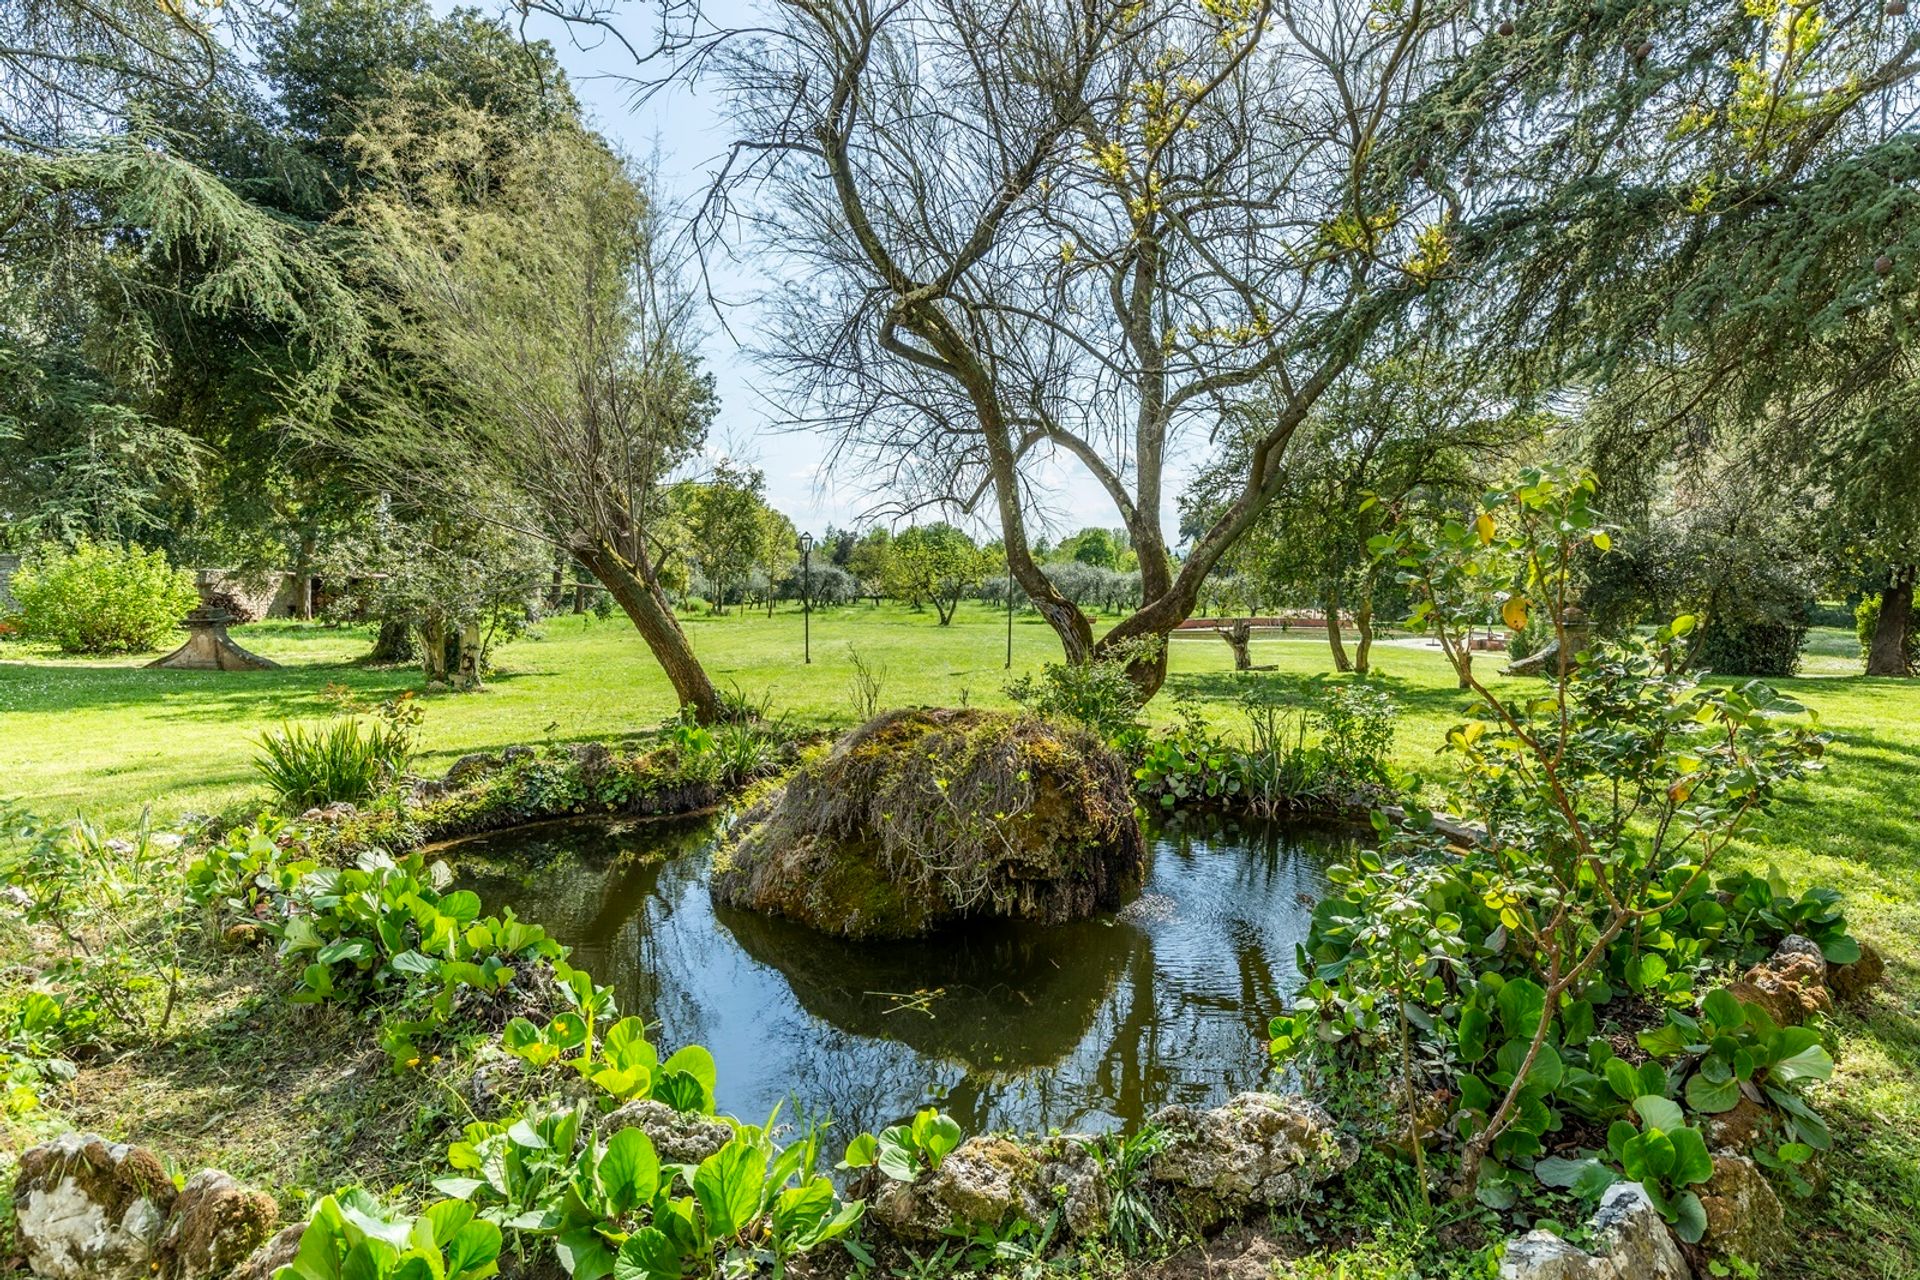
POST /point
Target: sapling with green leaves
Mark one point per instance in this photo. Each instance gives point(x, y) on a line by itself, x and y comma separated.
point(1604, 792)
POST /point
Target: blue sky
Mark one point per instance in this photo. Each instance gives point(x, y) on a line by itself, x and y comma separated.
point(684, 128)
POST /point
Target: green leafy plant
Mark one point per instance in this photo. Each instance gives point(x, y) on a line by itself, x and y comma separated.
point(348, 760)
point(1763, 910)
point(1124, 1159)
point(1620, 776)
point(905, 1151)
point(1100, 696)
point(350, 1237)
point(1734, 1049)
point(100, 597)
point(1668, 1162)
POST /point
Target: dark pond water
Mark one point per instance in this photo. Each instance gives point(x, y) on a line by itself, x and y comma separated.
point(1078, 1027)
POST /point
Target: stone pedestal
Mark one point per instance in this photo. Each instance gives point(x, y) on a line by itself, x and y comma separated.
point(209, 648)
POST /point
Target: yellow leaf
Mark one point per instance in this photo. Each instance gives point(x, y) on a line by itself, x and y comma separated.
point(1514, 613)
point(1484, 527)
point(1604, 541)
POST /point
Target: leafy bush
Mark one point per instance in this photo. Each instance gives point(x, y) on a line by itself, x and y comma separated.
point(1099, 696)
point(101, 597)
point(1356, 732)
point(349, 760)
point(905, 1151)
point(1597, 810)
point(1752, 646)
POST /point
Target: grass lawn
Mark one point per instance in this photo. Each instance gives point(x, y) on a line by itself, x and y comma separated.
point(105, 738)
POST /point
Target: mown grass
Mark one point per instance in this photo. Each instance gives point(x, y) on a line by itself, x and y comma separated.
point(107, 738)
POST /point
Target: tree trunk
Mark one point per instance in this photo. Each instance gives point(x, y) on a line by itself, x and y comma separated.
point(1363, 619)
point(394, 643)
point(647, 607)
point(1464, 666)
point(1239, 638)
point(303, 580)
point(557, 592)
point(1331, 607)
point(1887, 654)
point(466, 670)
point(433, 651)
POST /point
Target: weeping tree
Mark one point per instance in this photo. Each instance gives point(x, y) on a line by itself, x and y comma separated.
point(535, 351)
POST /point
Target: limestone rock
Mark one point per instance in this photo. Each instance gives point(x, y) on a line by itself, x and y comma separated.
point(1790, 984)
point(988, 1182)
point(1744, 1217)
point(273, 1255)
point(1256, 1149)
point(471, 767)
point(1851, 981)
point(89, 1209)
point(1631, 1242)
point(216, 1223)
point(678, 1137)
point(919, 819)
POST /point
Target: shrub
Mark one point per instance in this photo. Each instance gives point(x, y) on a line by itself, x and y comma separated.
point(348, 761)
point(1752, 646)
point(101, 597)
point(1099, 696)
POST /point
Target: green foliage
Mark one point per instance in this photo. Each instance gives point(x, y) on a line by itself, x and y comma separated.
point(1668, 1163)
point(1124, 1161)
point(905, 1151)
point(1763, 910)
point(613, 1207)
point(1098, 695)
point(101, 597)
point(1603, 801)
point(349, 760)
point(113, 971)
point(1274, 768)
point(1734, 1049)
point(350, 1237)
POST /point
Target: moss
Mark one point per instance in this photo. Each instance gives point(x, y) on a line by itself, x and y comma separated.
point(920, 817)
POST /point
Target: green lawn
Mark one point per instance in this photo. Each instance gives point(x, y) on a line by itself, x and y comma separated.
point(106, 738)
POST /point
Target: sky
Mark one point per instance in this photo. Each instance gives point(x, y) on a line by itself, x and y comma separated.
point(685, 129)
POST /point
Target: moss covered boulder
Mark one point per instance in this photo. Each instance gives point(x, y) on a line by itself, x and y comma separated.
point(920, 819)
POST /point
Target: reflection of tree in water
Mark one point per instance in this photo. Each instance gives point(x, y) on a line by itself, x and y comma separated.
point(1079, 1026)
point(1010, 997)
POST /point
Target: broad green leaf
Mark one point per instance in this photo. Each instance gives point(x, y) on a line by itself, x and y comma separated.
point(1712, 1096)
point(698, 1063)
point(1656, 1112)
point(647, 1255)
point(727, 1185)
point(629, 1171)
point(1691, 1163)
point(1522, 1002)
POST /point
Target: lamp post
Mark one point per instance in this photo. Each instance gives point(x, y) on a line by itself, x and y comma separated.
point(806, 595)
point(1009, 611)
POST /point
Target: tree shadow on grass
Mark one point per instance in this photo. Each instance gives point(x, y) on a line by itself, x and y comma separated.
point(291, 693)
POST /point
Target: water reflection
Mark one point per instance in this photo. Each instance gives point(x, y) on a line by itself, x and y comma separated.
point(1078, 1026)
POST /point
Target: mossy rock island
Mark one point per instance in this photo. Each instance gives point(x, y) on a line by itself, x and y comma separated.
point(920, 819)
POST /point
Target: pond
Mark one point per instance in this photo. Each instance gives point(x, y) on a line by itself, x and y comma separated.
point(1079, 1027)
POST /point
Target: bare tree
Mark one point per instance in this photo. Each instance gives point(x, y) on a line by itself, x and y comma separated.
point(534, 346)
point(1029, 229)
